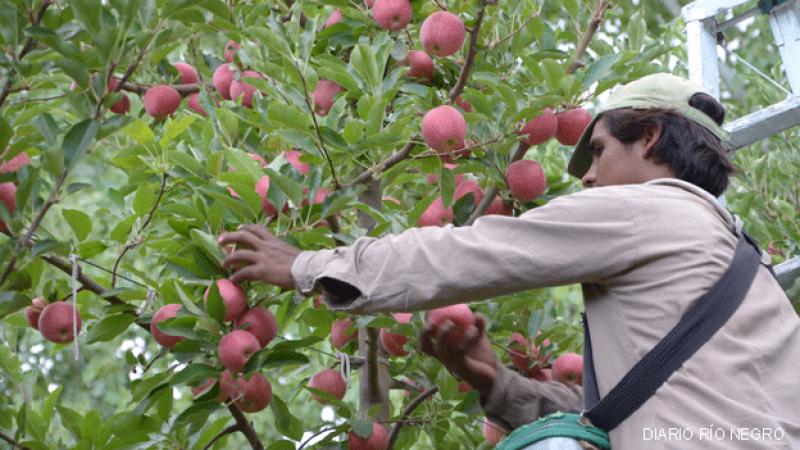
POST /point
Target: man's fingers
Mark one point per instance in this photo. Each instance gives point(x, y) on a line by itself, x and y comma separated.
point(426, 341)
point(442, 330)
point(238, 257)
point(258, 230)
point(249, 273)
point(239, 237)
point(480, 323)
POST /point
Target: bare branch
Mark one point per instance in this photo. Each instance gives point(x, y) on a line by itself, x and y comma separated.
point(473, 48)
point(588, 34)
point(228, 430)
point(245, 427)
point(87, 282)
point(407, 412)
point(14, 444)
point(389, 162)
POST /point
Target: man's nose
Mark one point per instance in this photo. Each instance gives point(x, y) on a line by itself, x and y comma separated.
point(588, 179)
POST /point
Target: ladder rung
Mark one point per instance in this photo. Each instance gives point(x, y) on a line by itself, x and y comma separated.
point(787, 272)
point(764, 123)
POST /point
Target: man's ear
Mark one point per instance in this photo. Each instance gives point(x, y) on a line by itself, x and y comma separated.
point(650, 138)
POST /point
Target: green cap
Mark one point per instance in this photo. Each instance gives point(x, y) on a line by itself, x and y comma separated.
point(661, 90)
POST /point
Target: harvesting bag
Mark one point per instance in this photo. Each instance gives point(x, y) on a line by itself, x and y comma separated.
point(561, 431)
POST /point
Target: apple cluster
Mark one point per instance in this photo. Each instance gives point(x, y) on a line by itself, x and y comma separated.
point(532, 361)
point(57, 321)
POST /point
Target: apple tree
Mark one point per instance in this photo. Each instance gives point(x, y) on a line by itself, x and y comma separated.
point(134, 132)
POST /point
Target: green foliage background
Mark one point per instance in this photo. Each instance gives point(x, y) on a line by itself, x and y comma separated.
point(123, 393)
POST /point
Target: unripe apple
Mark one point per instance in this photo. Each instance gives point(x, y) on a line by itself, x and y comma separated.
point(499, 207)
point(57, 320)
point(14, 164)
point(444, 128)
point(393, 342)
point(378, 439)
point(240, 88)
point(230, 49)
point(463, 104)
point(568, 368)
point(194, 102)
point(188, 73)
point(293, 157)
point(442, 33)
point(329, 381)
point(339, 336)
point(123, 105)
point(420, 65)
point(526, 180)
point(468, 187)
point(392, 14)
point(250, 393)
point(235, 348)
point(233, 296)
point(571, 124)
point(222, 78)
point(541, 128)
point(33, 312)
point(161, 100)
point(436, 215)
point(324, 95)
point(492, 432)
point(461, 317)
point(519, 350)
point(164, 313)
point(260, 322)
point(333, 19)
point(8, 196)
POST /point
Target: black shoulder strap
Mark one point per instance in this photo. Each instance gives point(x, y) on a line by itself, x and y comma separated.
point(696, 327)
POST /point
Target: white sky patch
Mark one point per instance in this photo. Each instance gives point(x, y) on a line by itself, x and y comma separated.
point(327, 414)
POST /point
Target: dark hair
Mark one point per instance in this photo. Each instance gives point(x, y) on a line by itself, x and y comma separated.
point(694, 153)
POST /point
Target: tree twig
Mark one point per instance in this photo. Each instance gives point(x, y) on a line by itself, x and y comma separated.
point(14, 444)
point(308, 441)
point(336, 183)
point(510, 35)
point(473, 48)
point(407, 412)
point(87, 282)
point(389, 162)
point(228, 430)
point(136, 240)
point(245, 427)
point(588, 34)
point(27, 47)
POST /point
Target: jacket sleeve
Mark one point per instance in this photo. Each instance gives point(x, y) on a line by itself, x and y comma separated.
point(515, 400)
point(582, 237)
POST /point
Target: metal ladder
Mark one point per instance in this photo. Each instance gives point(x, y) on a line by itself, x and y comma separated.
point(701, 32)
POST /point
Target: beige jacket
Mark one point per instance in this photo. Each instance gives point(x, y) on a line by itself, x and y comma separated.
point(644, 254)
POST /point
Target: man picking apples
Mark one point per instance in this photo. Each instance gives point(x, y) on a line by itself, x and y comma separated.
point(646, 242)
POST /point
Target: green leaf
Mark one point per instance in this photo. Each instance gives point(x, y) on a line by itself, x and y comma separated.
point(76, 70)
point(90, 249)
point(109, 327)
point(215, 306)
point(6, 132)
point(284, 358)
point(193, 373)
point(121, 230)
point(49, 407)
point(207, 244)
point(145, 198)
point(175, 128)
point(10, 364)
point(288, 186)
point(300, 343)
point(363, 428)
point(140, 132)
point(79, 221)
point(242, 162)
point(77, 140)
point(599, 69)
point(285, 422)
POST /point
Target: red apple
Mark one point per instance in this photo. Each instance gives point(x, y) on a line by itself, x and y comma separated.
point(233, 296)
point(339, 338)
point(442, 33)
point(123, 105)
point(541, 128)
point(324, 95)
point(262, 189)
point(498, 206)
point(393, 342)
point(421, 65)
point(222, 79)
point(240, 88)
point(464, 387)
point(526, 180)
point(568, 368)
point(461, 317)
point(14, 164)
point(188, 73)
point(392, 14)
point(463, 104)
point(58, 322)
point(161, 100)
point(33, 312)
point(250, 393)
point(293, 156)
point(492, 432)
point(333, 19)
point(571, 124)
point(259, 322)
point(235, 348)
point(436, 215)
point(194, 103)
point(8, 196)
point(379, 438)
point(164, 313)
point(230, 49)
point(444, 128)
point(329, 381)
point(468, 187)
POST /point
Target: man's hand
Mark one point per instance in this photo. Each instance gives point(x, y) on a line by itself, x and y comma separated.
point(472, 360)
point(259, 256)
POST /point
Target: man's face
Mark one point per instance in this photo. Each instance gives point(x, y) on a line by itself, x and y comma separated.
point(613, 162)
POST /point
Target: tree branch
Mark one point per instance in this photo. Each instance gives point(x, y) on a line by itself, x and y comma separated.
point(389, 162)
point(588, 34)
point(336, 183)
point(310, 438)
point(245, 427)
point(473, 48)
point(510, 35)
point(87, 282)
point(136, 240)
point(27, 47)
point(228, 430)
point(407, 412)
point(14, 444)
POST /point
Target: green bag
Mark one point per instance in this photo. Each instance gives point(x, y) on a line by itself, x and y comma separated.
point(564, 425)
